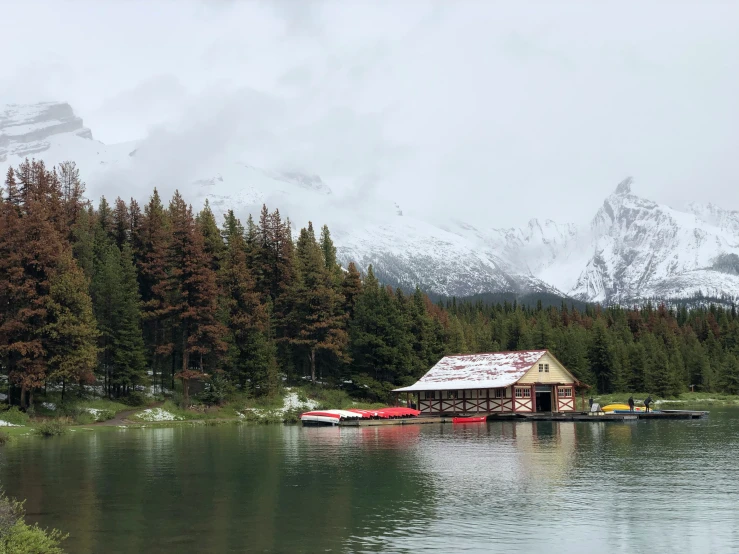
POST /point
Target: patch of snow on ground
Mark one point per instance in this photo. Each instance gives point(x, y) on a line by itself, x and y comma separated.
point(94, 412)
point(157, 414)
point(8, 424)
point(292, 402)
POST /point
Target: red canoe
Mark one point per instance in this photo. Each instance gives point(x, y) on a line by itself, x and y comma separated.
point(476, 419)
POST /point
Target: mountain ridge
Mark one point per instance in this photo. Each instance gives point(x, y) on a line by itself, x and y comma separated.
point(633, 248)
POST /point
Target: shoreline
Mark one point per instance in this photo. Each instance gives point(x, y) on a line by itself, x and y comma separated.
point(121, 420)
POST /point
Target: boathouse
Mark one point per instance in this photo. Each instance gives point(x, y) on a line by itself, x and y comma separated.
point(496, 382)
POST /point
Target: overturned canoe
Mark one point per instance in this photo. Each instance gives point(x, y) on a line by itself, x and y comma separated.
point(475, 419)
point(320, 418)
point(620, 407)
point(333, 417)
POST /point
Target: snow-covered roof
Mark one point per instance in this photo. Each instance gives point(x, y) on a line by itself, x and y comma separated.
point(477, 371)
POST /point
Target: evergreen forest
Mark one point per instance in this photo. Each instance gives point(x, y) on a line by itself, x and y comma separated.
point(128, 296)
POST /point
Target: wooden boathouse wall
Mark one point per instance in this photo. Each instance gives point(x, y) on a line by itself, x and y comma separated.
point(518, 398)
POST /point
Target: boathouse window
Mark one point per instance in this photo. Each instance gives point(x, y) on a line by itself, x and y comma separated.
point(451, 394)
point(546, 368)
point(500, 393)
point(541, 368)
point(523, 392)
point(565, 392)
point(430, 395)
point(470, 394)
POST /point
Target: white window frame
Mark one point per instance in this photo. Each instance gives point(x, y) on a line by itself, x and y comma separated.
point(525, 392)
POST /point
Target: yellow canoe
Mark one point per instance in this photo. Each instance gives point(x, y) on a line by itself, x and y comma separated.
point(614, 407)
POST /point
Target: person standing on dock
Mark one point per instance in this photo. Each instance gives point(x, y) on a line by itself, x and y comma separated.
point(647, 402)
point(590, 403)
point(631, 403)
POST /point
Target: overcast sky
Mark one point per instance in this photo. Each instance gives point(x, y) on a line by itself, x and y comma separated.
point(496, 111)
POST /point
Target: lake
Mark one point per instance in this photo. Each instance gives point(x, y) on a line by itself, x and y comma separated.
point(529, 487)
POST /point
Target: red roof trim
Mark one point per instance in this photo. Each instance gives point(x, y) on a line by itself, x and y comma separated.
point(498, 352)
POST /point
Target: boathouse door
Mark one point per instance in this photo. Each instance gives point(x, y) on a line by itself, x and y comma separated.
point(543, 398)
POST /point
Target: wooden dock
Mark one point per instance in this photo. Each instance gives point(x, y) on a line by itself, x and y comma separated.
point(538, 416)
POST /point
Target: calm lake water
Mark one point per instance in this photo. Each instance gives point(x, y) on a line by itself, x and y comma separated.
point(667, 486)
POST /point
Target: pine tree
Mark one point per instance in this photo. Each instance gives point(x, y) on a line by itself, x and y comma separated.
point(351, 288)
point(70, 331)
point(328, 250)
point(251, 353)
point(572, 350)
point(730, 374)
point(12, 194)
point(232, 227)
point(601, 357)
point(129, 356)
point(135, 223)
point(380, 342)
point(105, 217)
point(121, 223)
point(194, 305)
point(106, 290)
point(83, 241)
point(43, 300)
point(117, 308)
point(658, 372)
point(637, 368)
point(426, 349)
point(72, 193)
point(214, 245)
point(154, 284)
point(456, 343)
point(542, 334)
point(317, 322)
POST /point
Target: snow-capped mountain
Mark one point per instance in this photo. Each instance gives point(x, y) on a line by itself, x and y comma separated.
point(633, 248)
point(407, 252)
point(639, 249)
point(26, 130)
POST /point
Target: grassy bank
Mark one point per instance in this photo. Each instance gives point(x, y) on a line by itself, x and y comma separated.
point(52, 417)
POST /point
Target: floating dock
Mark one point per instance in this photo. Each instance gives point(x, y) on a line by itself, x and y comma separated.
point(537, 416)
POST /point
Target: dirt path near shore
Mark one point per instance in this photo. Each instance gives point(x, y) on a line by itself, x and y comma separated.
point(121, 418)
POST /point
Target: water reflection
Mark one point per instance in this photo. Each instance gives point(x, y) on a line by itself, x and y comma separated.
point(503, 486)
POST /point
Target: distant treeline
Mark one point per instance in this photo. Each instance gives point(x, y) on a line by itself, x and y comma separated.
point(135, 295)
point(646, 349)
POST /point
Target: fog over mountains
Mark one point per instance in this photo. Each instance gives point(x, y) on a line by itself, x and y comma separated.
point(632, 249)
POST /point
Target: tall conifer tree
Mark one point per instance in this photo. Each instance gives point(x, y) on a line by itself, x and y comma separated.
point(251, 352)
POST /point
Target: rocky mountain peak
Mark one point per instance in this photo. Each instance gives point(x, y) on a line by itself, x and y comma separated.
point(624, 187)
point(25, 129)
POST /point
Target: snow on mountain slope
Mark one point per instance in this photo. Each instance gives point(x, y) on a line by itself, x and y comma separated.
point(529, 249)
point(407, 252)
point(727, 220)
point(25, 129)
point(638, 248)
point(53, 133)
point(50, 131)
point(633, 248)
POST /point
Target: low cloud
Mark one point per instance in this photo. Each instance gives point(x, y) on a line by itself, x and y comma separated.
point(486, 113)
